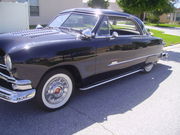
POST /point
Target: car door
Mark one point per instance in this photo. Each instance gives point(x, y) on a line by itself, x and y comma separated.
point(120, 51)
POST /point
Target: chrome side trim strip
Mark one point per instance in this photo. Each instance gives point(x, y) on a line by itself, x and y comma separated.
point(130, 60)
point(113, 79)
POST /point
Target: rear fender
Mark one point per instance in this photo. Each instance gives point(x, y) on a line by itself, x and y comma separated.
point(152, 59)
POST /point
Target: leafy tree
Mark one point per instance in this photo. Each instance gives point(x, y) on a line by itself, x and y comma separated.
point(165, 8)
point(98, 3)
point(140, 7)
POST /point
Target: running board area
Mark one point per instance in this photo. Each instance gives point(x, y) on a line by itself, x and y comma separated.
point(110, 80)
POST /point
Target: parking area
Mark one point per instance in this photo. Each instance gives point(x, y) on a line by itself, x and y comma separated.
point(141, 104)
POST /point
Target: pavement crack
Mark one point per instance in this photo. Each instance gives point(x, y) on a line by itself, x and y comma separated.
point(84, 114)
point(106, 129)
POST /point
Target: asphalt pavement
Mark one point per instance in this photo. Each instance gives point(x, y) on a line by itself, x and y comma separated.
point(140, 104)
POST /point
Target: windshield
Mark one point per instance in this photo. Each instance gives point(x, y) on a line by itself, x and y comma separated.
point(75, 21)
point(59, 20)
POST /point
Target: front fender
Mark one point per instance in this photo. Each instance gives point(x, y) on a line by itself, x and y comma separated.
point(32, 63)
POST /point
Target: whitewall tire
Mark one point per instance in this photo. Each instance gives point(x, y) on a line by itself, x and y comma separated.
point(55, 89)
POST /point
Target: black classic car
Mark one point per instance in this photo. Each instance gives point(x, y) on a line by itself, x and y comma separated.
point(80, 48)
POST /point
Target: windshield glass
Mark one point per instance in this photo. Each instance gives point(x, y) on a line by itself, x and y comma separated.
point(75, 21)
point(58, 21)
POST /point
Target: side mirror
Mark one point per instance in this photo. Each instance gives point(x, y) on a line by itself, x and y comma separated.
point(39, 26)
point(149, 31)
point(86, 34)
point(115, 34)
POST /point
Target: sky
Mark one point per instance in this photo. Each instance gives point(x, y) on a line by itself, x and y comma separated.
point(177, 5)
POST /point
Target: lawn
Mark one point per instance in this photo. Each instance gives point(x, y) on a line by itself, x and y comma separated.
point(168, 39)
point(163, 25)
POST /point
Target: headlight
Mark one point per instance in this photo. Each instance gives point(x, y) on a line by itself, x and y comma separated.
point(8, 62)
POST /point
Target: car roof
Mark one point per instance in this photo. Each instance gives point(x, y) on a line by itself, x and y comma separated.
point(96, 10)
point(104, 12)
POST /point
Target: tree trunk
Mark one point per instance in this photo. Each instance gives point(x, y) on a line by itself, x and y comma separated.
point(142, 16)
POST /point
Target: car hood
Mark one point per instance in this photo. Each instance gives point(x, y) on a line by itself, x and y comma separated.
point(16, 40)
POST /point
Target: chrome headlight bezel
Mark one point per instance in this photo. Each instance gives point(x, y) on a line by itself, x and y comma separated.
point(8, 62)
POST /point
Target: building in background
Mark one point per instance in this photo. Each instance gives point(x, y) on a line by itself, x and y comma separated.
point(14, 16)
point(7, 0)
point(171, 17)
point(43, 11)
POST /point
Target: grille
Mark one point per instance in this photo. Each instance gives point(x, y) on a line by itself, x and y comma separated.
point(1, 60)
point(1, 57)
point(2, 82)
point(5, 84)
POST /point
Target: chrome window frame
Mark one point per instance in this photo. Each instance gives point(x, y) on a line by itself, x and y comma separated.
point(128, 18)
point(100, 26)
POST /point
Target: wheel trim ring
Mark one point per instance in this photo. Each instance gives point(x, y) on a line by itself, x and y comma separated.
point(66, 98)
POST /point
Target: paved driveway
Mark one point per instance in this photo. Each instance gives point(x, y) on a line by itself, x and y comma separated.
point(141, 104)
point(171, 31)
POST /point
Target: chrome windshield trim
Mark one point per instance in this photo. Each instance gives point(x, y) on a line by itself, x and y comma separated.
point(73, 12)
point(114, 63)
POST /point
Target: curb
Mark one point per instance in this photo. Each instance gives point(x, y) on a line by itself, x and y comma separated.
point(172, 46)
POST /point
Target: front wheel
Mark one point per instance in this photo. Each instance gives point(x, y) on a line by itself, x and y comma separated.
point(55, 89)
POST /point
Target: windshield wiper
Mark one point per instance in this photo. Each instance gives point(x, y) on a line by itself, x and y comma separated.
point(70, 29)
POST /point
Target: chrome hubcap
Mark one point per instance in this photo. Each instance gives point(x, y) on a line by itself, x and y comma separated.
point(56, 90)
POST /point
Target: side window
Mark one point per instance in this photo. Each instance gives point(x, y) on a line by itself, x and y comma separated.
point(122, 26)
point(104, 28)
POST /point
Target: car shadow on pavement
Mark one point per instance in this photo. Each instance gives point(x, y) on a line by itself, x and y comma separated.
point(173, 56)
point(85, 109)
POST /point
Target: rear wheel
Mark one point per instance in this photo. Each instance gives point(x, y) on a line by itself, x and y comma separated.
point(55, 89)
point(148, 67)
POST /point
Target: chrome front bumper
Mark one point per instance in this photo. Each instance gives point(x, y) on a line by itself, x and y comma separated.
point(21, 89)
point(16, 96)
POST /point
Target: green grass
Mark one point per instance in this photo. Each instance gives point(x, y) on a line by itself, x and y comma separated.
point(168, 39)
point(163, 25)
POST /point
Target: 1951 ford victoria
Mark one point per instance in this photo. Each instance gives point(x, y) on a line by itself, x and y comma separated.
point(81, 48)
